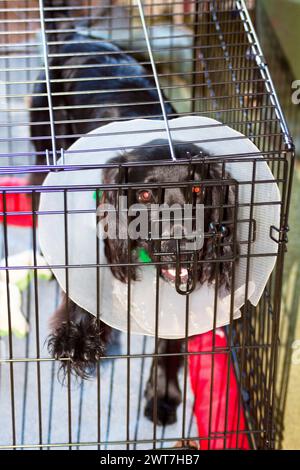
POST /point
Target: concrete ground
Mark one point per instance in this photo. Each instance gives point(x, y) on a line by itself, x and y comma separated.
point(44, 410)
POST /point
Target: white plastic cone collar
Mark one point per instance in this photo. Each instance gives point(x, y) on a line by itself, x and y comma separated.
point(215, 139)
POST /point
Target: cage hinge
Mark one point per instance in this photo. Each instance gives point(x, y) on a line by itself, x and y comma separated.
point(282, 237)
point(60, 155)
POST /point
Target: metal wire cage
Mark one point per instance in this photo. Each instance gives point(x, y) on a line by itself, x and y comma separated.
point(205, 59)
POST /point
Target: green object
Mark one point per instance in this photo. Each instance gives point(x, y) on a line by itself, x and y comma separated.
point(23, 283)
point(100, 194)
point(143, 256)
point(17, 333)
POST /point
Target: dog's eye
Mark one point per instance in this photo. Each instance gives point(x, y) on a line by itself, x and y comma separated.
point(197, 189)
point(145, 195)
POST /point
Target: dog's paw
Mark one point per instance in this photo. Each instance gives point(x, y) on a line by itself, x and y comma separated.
point(78, 346)
point(166, 411)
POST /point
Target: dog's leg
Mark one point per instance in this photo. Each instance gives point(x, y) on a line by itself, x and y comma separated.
point(167, 390)
point(78, 336)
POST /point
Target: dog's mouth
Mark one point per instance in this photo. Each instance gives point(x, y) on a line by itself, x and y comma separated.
point(181, 275)
point(169, 274)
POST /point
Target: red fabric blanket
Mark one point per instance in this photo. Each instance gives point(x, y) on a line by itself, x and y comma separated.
point(16, 202)
point(222, 426)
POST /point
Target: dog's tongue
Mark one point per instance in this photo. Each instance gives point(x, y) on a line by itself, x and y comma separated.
point(170, 274)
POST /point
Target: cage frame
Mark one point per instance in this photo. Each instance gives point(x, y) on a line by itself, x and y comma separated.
point(262, 428)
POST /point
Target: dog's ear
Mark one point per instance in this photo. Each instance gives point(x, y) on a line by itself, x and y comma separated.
point(222, 196)
point(211, 214)
point(230, 247)
point(116, 243)
point(219, 217)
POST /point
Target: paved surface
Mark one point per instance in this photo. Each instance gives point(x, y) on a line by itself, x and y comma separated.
point(54, 396)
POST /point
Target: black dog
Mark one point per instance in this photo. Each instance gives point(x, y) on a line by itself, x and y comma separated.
point(92, 84)
point(219, 201)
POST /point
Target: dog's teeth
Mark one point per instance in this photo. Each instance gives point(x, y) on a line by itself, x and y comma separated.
point(183, 272)
point(172, 272)
point(86, 356)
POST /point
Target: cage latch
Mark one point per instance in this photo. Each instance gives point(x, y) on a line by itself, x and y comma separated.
point(282, 237)
point(190, 283)
point(218, 230)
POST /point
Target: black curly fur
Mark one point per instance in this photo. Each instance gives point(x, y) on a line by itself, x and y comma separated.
point(78, 340)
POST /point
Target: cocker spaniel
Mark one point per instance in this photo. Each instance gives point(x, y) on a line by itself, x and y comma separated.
point(94, 83)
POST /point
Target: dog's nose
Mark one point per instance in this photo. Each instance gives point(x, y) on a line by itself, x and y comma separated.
point(174, 232)
point(170, 239)
point(178, 234)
